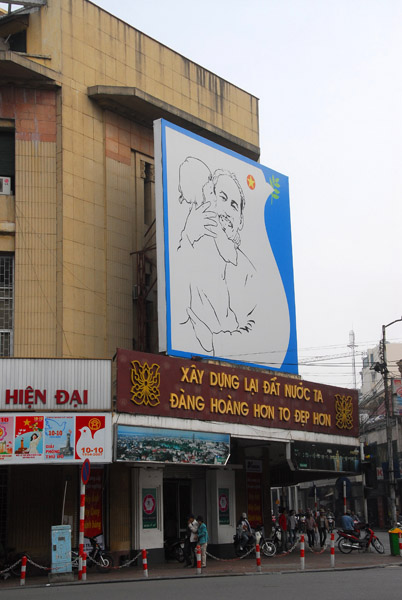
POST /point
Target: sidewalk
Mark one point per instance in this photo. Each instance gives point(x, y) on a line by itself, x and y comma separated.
point(219, 568)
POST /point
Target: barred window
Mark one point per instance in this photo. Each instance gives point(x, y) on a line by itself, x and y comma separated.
point(6, 304)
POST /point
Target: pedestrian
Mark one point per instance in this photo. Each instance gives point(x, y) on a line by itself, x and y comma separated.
point(347, 522)
point(202, 539)
point(310, 528)
point(190, 541)
point(292, 524)
point(284, 529)
point(323, 526)
point(244, 531)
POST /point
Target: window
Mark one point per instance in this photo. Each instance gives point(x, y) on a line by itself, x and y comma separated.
point(7, 155)
point(6, 304)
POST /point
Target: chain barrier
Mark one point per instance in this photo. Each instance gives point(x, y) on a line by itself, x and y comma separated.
point(10, 567)
point(232, 559)
point(126, 564)
point(36, 565)
point(286, 552)
point(319, 552)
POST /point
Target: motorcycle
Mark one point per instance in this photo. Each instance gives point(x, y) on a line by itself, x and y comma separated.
point(174, 549)
point(97, 556)
point(348, 541)
point(267, 547)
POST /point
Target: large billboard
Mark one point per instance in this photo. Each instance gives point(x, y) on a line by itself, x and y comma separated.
point(162, 386)
point(225, 269)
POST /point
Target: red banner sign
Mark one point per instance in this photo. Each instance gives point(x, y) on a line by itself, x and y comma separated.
point(150, 384)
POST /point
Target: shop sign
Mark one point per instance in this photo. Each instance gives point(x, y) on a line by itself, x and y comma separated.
point(149, 512)
point(149, 444)
point(93, 506)
point(57, 438)
point(54, 384)
point(397, 390)
point(224, 510)
point(158, 385)
point(254, 498)
point(325, 457)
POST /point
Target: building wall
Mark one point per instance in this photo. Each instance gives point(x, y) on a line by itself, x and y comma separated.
point(79, 197)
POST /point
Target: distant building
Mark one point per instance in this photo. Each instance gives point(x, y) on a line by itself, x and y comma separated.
point(373, 427)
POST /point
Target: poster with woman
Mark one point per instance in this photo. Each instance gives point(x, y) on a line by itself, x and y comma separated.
point(6, 437)
point(28, 440)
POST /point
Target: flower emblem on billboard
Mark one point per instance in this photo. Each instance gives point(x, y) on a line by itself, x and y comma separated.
point(146, 381)
point(343, 411)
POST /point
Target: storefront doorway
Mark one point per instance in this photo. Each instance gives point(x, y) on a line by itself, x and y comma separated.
point(176, 506)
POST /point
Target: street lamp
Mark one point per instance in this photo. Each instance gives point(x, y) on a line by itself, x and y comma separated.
point(390, 449)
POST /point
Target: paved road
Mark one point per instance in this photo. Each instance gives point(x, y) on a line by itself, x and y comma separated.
point(368, 584)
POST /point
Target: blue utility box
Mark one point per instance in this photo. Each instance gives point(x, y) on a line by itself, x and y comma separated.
point(61, 549)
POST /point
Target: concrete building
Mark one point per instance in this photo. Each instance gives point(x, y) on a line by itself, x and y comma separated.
point(374, 432)
point(79, 92)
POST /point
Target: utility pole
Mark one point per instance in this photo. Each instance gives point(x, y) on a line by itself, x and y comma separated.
point(352, 346)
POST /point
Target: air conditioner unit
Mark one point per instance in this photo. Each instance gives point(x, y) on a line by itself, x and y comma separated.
point(5, 185)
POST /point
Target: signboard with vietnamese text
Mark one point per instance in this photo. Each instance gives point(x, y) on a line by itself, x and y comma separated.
point(44, 384)
point(55, 438)
point(149, 384)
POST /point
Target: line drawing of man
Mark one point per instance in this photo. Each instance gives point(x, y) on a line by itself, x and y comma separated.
point(220, 300)
point(215, 218)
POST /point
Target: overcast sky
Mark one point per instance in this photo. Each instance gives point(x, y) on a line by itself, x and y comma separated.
point(328, 76)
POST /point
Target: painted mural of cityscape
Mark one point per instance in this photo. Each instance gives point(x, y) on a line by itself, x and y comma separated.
point(174, 446)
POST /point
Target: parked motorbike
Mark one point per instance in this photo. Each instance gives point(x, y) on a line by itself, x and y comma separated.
point(97, 557)
point(174, 549)
point(267, 547)
point(348, 541)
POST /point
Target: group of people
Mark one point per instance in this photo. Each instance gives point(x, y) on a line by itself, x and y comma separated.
point(309, 523)
point(196, 534)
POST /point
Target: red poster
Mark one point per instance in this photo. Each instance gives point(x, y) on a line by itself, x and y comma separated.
point(254, 497)
point(93, 504)
point(90, 436)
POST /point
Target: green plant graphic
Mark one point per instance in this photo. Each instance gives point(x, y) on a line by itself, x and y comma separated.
point(274, 182)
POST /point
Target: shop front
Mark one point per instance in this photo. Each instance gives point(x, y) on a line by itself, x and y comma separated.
point(55, 413)
point(211, 439)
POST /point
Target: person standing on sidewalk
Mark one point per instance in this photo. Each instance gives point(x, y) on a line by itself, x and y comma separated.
point(283, 524)
point(202, 539)
point(310, 528)
point(323, 526)
point(190, 541)
point(292, 522)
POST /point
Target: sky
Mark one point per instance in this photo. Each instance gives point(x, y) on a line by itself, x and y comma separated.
point(327, 75)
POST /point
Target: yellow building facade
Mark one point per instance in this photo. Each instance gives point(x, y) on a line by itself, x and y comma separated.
point(79, 91)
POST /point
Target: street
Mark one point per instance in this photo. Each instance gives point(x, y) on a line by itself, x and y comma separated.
point(366, 584)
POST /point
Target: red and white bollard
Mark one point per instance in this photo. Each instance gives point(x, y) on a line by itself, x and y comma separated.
point(400, 544)
point(23, 570)
point(302, 552)
point(332, 550)
point(144, 563)
point(198, 553)
point(258, 557)
point(84, 566)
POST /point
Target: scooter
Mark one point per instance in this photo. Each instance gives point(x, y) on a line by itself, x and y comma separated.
point(174, 549)
point(348, 541)
point(267, 547)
